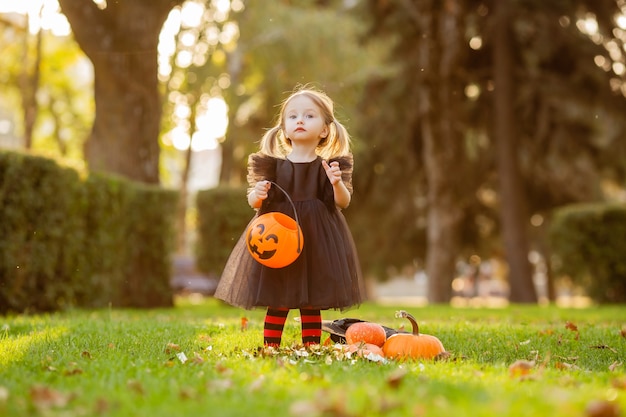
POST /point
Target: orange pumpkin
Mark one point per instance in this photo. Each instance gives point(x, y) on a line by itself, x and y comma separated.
point(363, 349)
point(366, 332)
point(412, 346)
point(274, 239)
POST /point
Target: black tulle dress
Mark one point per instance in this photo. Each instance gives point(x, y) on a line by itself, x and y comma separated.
point(327, 273)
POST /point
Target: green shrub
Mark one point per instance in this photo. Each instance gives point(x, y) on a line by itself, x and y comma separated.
point(108, 201)
point(65, 241)
point(150, 243)
point(588, 241)
point(41, 233)
point(223, 214)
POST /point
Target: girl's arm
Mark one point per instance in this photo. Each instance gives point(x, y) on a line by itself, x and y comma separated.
point(342, 195)
point(340, 191)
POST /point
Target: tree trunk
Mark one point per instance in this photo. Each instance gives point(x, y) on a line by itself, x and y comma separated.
point(121, 40)
point(29, 85)
point(181, 215)
point(513, 210)
point(440, 57)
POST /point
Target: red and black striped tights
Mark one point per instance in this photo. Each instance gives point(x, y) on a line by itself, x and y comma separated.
point(275, 318)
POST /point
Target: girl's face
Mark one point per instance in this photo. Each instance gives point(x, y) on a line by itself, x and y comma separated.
point(303, 121)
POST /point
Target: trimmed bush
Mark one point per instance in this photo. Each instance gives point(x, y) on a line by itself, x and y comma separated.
point(41, 233)
point(223, 214)
point(150, 244)
point(589, 245)
point(67, 241)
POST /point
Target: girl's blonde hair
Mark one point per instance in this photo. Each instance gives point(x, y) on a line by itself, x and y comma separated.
point(337, 143)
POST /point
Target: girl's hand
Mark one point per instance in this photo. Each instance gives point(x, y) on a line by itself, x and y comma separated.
point(332, 171)
point(261, 188)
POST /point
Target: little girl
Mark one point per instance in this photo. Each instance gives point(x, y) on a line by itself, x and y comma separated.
point(307, 154)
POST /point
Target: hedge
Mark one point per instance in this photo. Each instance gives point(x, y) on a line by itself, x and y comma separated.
point(70, 241)
point(223, 213)
point(589, 245)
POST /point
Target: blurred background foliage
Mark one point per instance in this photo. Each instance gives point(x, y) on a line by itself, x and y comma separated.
point(414, 83)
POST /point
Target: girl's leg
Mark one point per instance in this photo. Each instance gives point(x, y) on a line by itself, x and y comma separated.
point(311, 326)
point(274, 325)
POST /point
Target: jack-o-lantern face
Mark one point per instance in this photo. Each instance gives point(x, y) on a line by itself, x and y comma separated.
point(274, 240)
point(261, 244)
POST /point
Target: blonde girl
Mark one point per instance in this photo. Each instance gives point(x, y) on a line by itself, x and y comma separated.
point(307, 154)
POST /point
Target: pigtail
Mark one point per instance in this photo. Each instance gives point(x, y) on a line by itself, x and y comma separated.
point(337, 143)
point(273, 143)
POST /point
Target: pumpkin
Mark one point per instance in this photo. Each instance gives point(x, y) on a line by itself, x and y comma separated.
point(274, 239)
point(364, 349)
point(366, 332)
point(412, 345)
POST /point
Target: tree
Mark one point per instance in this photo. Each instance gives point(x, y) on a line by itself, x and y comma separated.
point(47, 76)
point(513, 202)
point(427, 107)
point(561, 93)
point(121, 41)
point(283, 44)
point(192, 80)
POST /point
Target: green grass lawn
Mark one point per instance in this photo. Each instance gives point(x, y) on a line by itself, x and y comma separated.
point(196, 360)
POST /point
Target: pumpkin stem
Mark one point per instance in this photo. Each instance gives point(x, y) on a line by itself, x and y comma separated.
point(404, 315)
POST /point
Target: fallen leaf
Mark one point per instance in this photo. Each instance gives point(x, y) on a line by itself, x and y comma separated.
point(244, 324)
point(304, 409)
point(45, 397)
point(396, 377)
point(566, 366)
point(136, 387)
point(219, 385)
point(205, 338)
point(223, 369)
point(257, 384)
point(102, 406)
point(619, 383)
point(521, 368)
point(614, 366)
point(73, 371)
point(603, 347)
point(171, 347)
point(197, 359)
point(186, 394)
point(571, 326)
point(602, 408)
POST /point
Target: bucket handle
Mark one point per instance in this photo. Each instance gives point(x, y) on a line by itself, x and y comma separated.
point(294, 212)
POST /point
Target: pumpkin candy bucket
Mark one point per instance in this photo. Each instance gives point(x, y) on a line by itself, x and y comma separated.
point(274, 239)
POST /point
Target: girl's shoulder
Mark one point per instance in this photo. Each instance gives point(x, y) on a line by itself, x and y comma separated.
point(261, 166)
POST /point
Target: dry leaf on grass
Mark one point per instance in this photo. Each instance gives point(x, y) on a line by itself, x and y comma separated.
point(45, 397)
point(602, 408)
point(521, 368)
point(396, 377)
point(603, 347)
point(171, 347)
